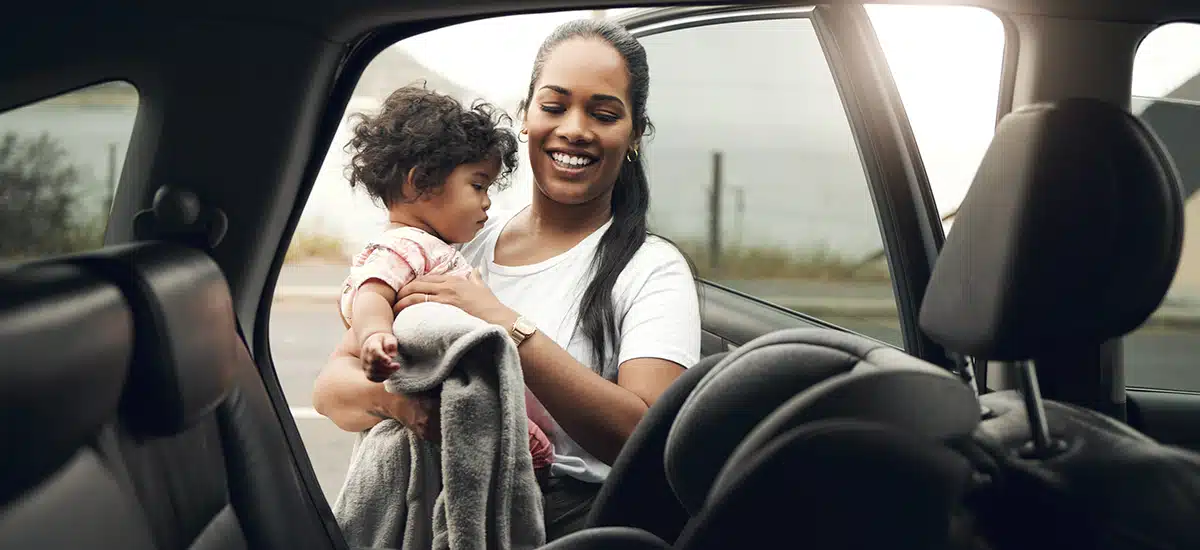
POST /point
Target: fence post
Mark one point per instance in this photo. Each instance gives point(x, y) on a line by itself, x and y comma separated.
point(714, 212)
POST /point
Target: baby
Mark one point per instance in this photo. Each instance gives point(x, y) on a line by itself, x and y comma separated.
point(430, 161)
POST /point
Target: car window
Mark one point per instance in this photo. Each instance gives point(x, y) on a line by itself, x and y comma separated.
point(60, 160)
point(946, 61)
point(794, 222)
point(756, 174)
point(1166, 96)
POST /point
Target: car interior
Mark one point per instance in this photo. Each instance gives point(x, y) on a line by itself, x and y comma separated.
point(141, 406)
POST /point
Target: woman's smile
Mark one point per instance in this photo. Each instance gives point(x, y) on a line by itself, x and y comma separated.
point(572, 165)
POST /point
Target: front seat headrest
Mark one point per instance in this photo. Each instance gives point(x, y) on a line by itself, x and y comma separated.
point(187, 341)
point(1069, 236)
point(67, 340)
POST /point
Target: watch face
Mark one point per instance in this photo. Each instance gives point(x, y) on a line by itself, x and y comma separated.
point(524, 326)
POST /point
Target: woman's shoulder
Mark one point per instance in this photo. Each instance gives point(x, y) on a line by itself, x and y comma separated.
point(658, 253)
point(657, 262)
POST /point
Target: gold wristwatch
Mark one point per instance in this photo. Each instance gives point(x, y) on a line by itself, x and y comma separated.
point(522, 329)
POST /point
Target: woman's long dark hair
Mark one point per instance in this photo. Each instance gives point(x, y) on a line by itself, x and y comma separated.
point(631, 192)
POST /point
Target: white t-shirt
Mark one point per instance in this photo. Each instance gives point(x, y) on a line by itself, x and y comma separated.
point(656, 308)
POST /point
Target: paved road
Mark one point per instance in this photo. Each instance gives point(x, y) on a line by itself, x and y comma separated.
point(302, 335)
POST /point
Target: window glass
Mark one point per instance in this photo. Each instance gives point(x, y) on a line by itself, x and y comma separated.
point(792, 222)
point(946, 61)
point(756, 175)
point(60, 160)
point(1166, 95)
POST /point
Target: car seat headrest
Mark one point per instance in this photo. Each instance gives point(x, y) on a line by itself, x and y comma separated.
point(748, 385)
point(186, 336)
point(837, 483)
point(1069, 235)
point(67, 340)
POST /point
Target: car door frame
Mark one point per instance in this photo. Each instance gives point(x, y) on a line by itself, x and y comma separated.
point(899, 188)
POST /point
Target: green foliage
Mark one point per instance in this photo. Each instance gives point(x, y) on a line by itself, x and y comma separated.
point(39, 200)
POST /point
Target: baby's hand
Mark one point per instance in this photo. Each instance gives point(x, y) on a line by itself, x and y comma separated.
point(378, 356)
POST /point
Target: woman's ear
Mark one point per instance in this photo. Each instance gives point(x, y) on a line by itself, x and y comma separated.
point(635, 138)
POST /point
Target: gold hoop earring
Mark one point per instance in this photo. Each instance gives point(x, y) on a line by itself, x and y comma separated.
point(635, 154)
point(526, 140)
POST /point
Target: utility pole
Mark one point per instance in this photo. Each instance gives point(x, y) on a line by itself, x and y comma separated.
point(714, 213)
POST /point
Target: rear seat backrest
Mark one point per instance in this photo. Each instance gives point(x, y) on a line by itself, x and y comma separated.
point(202, 442)
point(66, 340)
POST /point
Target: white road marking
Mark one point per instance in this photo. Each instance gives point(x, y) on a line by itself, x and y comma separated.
point(305, 413)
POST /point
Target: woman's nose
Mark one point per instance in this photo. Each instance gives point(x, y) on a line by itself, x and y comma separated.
point(575, 128)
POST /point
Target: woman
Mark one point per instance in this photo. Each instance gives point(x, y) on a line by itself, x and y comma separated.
point(605, 315)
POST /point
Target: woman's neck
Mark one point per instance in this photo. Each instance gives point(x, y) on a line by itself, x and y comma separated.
point(547, 216)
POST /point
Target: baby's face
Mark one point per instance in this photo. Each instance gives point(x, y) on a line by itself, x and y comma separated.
point(458, 211)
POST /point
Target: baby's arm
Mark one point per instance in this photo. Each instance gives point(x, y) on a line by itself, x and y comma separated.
point(372, 326)
point(392, 262)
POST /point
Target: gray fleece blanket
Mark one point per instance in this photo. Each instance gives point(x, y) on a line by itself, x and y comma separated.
point(477, 488)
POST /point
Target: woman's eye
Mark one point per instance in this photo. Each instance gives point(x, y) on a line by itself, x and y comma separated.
point(479, 187)
point(606, 117)
point(552, 108)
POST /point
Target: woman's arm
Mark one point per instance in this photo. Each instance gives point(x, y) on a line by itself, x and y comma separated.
point(598, 414)
point(660, 334)
point(343, 394)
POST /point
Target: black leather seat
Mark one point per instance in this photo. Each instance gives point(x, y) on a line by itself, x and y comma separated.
point(202, 442)
point(67, 340)
point(1113, 488)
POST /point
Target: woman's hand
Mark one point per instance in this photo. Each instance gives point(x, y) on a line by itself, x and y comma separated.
point(470, 295)
point(343, 394)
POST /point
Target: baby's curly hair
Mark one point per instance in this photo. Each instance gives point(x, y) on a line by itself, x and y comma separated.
point(430, 134)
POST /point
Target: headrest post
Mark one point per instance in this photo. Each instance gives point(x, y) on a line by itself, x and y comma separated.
point(1043, 445)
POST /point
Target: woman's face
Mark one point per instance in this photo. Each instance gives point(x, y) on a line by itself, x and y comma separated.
point(580, 121)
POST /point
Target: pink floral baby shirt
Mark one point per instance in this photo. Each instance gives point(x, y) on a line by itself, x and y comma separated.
point(402, 254)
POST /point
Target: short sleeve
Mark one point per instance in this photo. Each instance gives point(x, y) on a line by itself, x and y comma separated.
point(395, 264)
point(663, 317)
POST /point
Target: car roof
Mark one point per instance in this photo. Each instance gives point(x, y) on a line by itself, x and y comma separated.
point(344, 21)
